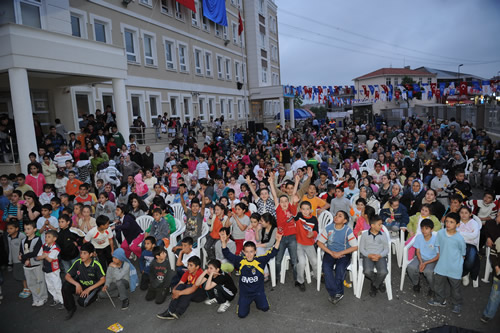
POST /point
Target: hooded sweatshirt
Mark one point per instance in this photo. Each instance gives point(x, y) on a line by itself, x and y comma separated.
point(140, 187)
point(126, 272)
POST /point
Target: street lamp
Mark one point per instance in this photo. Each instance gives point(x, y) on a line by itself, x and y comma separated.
point(459, 71)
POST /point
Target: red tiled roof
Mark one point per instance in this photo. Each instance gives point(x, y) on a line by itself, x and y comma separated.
point(395, 71)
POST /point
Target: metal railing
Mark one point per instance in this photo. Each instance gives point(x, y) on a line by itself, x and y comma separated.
point(8, 152)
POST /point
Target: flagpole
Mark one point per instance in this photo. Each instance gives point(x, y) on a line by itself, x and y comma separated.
point(243, 61)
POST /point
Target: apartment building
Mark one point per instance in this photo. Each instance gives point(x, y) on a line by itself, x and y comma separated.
point(66, 58)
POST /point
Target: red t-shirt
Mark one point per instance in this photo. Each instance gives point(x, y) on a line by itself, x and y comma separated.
point(188, 278)
point(285, 220)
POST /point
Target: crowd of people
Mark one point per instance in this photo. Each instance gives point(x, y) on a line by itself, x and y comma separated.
point(73, 223)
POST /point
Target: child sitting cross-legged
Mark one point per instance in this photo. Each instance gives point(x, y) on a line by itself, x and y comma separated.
point(219, 286)
point(251, 269)
point(374, 250)
point(121, 278)
point(426, 257)
point(187, 290)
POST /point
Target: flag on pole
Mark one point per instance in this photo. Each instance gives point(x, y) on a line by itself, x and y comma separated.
point(463, 88)
point(240, 24)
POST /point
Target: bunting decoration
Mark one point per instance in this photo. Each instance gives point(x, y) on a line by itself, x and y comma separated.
point(347, 95)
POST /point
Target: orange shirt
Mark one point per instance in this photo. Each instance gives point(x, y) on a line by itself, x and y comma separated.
point(216, 226)
point(73, 186)
point(316, 203)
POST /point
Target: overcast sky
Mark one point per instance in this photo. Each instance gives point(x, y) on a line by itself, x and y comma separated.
point(322, 41)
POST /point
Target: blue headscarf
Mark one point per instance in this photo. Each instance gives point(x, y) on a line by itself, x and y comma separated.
point(134, 279)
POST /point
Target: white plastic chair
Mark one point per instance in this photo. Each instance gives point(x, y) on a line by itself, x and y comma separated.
point(488, 269)
point(252, 208)
point(284, 266)
point(169, 199)
point(361, 275)
point(180, 226)
point(144, 222)
point(398, 244)
point(272, 271)
point(467, 167)
point(406, 261)
point(178, 211)
point(199, 249)
point(369, 164)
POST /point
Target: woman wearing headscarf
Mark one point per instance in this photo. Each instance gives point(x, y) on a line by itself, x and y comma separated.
point(366, 193)
point(399, 141)
point(412, 163)
point(437, 208)
point(129, 168)
point(413, 198)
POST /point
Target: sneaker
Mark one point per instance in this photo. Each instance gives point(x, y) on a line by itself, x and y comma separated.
point(9, 268)
point(465, 280)
point(382, 288)
point(70, 314)
point(436, 303)
point(485, 319)
point(347, 284)
point(210, 301)
point(38, 304)
point(337, 298)
point(125, 304)
point(25, 293)
point(60, 307)
point(302, 287)
point(475, 283)
point(54, 303)
point(373, 291)
point(331, 299)
point(223, 307)
point(457, 309)
point(167, 315)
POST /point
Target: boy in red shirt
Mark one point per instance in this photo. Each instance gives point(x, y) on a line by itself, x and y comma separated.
point(307, 230)
point(185, 291)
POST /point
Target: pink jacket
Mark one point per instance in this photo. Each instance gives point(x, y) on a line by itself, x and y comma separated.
point(36, 183)
point(140, 187)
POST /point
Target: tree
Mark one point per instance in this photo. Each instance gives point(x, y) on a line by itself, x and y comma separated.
point(320, 112)
point(408, 80)
point(297, 102)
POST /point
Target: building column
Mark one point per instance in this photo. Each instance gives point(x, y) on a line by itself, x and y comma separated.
point(23, 114)
point(282, 112)
point(120, 95)
point(292, 112)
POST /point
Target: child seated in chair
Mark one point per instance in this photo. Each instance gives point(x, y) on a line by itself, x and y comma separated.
point(426, 257)
point(338, 242)
point(395, 217)
point(374, 249)
point(469, 228)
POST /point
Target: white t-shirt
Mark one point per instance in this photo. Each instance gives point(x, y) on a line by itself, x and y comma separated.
point(41, 222)
point(99, 239)
point(202, 170)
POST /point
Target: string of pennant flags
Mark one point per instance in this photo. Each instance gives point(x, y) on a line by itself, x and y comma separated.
point(338, 95)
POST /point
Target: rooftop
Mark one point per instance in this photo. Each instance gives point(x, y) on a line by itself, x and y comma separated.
point(395, 71)
point(448, 75)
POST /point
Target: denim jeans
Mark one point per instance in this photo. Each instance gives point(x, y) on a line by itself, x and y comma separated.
point(471, 262)
point(334, 283)
point(290, 243)
point(369, 270)
point(493, 300)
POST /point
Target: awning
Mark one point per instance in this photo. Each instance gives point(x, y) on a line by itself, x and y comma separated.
point(299, 114)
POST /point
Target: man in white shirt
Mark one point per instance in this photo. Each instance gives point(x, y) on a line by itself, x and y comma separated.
point(299, 163)
point(370, 143)
point(202, 168)
point(62, 156)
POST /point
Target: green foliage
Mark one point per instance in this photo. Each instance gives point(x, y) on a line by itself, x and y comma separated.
point(407, 80)
point(319, 112)
point(297, 102)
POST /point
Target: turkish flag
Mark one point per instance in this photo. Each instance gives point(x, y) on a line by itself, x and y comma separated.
point(188, 4)
point(397, 94)
point(463, 88)
point(438, 93)
point(240, 24)
point(433, 88)
point(386, 89)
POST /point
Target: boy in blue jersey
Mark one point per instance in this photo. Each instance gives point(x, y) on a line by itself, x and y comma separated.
point(251, 269)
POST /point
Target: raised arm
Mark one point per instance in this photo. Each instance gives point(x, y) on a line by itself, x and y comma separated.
point(273, 190)
point(182, 190)
point(255, 196)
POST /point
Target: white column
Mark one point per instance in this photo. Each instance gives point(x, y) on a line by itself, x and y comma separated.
point(292, 112)
point(120, 95)
point(282, 112)
point(23, 114)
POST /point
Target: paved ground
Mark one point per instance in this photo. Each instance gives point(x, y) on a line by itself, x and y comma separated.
point(291, 310)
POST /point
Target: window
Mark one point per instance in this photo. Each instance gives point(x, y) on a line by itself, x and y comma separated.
point(387, 81)
point(240, 109)
point(131, 45)
point(220, 70)
point(396, 83)
point(235, 32)
point(183, 61)
point(230, 109)
point(224, 32)
point(223, 108)
point(187, 108)
point(170, 55)
point(165, 7)
point(227, 66)
point(208, 64)
point(218, 29)
point(102, 29)
point(262, 40)
point(153, 106)
point(275, 79)
point(264, 74)
point(28, 13)
point(203, 116)
point(261, 6)
point(429, 80)
point(148, 3)
point(173, 107)
point(136, 106)
point(198, 62)
point(211, 107)
point(78, 23)
point(244, 73)
point(195, 15)
point(205, 22)
point(82, 104)
point(107, 100)
point(149, 49)
point(237, 71)
point(179, 11)
point(419, 80)
point(76, 26)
